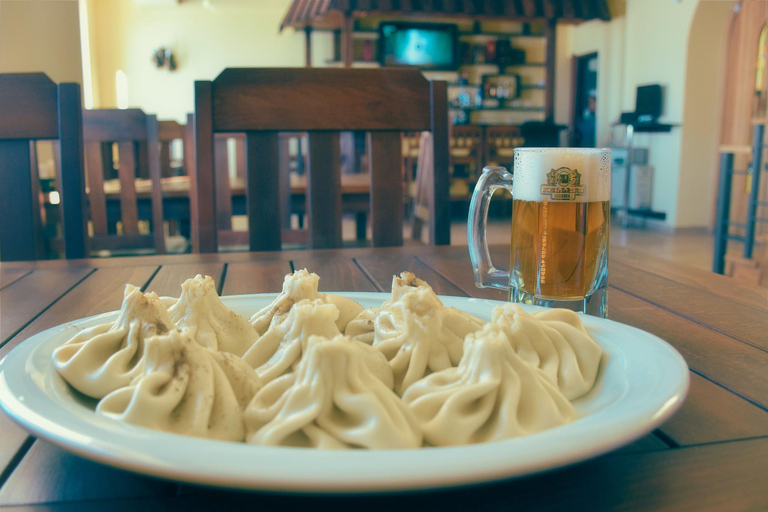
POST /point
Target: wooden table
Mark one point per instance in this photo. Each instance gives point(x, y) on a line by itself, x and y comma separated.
point(712, 455)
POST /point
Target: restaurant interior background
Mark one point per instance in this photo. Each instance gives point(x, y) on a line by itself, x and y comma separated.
point(703, 53)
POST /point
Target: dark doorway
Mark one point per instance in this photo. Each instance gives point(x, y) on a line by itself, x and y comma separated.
point(585, 101)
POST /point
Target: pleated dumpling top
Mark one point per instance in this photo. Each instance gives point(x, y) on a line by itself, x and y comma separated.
point(281, 348)
point(298, 286)
point(106, 357)
point(187, 389)
point(414, 330)
point(331, 401)
point(492, 395)
point(555, 341)
point(212, 324)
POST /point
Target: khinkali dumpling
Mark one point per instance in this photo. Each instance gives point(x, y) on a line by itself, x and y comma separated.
point(106, 357)
point(493, 394)
point(279, 350)
point(298, 286)
point(187, 389)
point(555, 341)
point(330, 401)
point(214, 325)
point(414, 330)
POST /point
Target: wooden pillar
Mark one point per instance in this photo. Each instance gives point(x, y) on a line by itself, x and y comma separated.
point(308, 46)
point(549, 88)
point(346, 39)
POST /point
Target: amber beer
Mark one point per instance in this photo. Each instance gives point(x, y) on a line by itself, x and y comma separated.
point(557, 247)
point(560, 228)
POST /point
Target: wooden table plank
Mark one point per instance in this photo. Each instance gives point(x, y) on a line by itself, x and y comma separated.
point(14, 438)
point(8, 276)
point(100, 292)
point(456, 264)
point(714, 284)
point(381, 269)
point(733, 364)
point(680, 480)
point(644, 475)
point(649, 443)
point(742, 322)
point(266, 277)
point(48, 474)
point(337, 274)
point(711, 414)
point(23, 300)
point(167, 281)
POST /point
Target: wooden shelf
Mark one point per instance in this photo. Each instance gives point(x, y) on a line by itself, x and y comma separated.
point(521, 65)
point(500, 35)
point(502, 109)
point(522, 86)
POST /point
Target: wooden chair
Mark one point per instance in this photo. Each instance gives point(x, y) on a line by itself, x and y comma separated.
point(32, 107)
point(128, 129)
point(263, 102)
point(167, 133)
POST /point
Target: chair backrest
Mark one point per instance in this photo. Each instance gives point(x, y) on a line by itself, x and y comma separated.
point(32, 107)
point(263, 102)
point(167, 133)
point(130, 130)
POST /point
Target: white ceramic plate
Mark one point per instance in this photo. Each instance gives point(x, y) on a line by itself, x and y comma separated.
point(642, 382)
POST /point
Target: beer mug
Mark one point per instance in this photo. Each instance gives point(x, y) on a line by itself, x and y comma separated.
point(560, 226)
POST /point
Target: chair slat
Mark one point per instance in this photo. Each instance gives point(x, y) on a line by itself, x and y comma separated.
point(204, 169)
point(127, 172)
point(155, 174)
point(263, 190)
point(284, 183)
point(73, 202)
point(96, 198)
point(16, 236)
point(190, 170)
point(440, 204)
point(38, 213)
point(223, 190)
point(385, 160)
point(324, 190)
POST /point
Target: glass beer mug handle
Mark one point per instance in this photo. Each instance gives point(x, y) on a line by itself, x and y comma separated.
point(486, 275)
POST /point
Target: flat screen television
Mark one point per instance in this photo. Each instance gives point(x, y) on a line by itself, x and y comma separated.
point(422, 45)
point(648, 103)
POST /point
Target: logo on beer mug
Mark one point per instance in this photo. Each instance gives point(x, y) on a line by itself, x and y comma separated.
point(563, 184)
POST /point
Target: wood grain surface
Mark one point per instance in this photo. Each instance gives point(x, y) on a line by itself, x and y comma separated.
point(712, 455)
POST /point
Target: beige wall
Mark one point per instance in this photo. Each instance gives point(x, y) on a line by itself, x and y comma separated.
point(656, 47)
point(41, 35)
point(702, 114)
point(206, 37)
point(679, 45)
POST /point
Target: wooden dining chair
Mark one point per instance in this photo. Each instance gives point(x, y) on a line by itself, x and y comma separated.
point(33, 108)
point(323, 102)
point(169, 131)
point(128, 130)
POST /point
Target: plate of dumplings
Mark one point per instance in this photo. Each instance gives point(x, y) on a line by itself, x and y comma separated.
point(306, 391)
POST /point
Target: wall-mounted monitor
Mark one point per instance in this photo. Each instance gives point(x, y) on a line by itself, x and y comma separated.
point(422, 45)
point(649, 103)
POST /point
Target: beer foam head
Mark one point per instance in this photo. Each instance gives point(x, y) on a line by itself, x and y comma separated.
point(562, 174)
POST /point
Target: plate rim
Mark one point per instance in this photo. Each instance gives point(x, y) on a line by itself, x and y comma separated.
point(99, 450)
